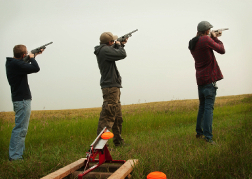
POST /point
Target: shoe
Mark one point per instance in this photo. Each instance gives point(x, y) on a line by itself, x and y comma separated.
point(19, 159)
point(123, 144)
point(210, 141)
point(199, 136)
point(118, 145)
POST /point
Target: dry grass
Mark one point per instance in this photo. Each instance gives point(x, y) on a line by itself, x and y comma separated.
point(126, 109)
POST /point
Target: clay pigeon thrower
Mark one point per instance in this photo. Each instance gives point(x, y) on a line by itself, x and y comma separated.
point(98, 147)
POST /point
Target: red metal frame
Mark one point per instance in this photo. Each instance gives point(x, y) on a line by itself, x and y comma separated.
point(104, 157)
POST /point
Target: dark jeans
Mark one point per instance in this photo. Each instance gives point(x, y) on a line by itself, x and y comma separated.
point(111, 114)
point(207, 95)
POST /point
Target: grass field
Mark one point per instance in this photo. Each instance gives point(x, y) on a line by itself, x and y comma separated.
point(161, 135)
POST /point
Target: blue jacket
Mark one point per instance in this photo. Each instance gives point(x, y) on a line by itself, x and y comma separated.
point(16, 71)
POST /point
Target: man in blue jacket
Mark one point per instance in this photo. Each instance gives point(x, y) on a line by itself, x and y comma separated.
point(17, 70)
point(107, 53)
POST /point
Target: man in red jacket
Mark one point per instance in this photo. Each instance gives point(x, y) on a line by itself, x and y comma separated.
point(207, 74)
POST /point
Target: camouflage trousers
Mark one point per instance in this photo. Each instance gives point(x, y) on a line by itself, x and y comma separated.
point(111, 114)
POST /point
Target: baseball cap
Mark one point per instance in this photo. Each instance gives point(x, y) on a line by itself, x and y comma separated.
point(203, 26)
point(107, 36)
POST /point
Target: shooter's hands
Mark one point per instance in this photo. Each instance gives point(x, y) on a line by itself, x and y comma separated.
point(34, 55)
point(213, 34)
point(118, 42)
point(39, 52)
point(218, 33)
point(31, 55)
point(124, 42)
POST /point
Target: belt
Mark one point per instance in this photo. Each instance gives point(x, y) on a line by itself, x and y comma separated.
point(215, 85)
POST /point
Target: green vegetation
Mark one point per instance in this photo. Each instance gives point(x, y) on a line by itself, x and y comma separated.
point(161, 135)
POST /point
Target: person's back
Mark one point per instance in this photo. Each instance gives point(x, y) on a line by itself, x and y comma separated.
point(16, 71)
point(207, 74)
point(106, 58)
point(207, 69)
point(107, 53)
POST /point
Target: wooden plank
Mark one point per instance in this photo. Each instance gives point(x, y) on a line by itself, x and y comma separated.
point(65, 171)
point(124, 170)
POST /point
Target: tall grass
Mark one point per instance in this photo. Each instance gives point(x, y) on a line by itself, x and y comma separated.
point(161, 135)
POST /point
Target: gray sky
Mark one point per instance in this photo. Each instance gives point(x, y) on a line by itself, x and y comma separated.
point(159, 66)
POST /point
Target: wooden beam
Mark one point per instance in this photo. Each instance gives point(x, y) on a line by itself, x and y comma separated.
point(124, 170)
point(65, 171)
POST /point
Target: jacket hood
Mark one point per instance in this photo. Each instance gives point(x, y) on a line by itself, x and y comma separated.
point(9, 58)
point(193, 42)
point(98, 48)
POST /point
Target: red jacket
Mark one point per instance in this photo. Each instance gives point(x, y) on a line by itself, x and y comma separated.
point(207, 69)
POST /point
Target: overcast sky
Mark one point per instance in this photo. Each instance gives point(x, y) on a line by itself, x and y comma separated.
point(158, 67)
